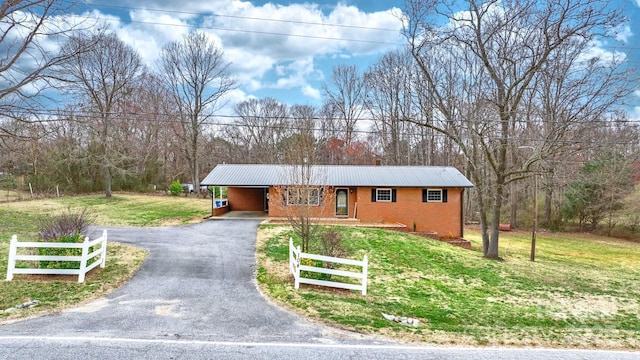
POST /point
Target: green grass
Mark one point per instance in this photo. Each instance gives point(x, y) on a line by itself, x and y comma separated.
point(21, 218)
point(581, 292)
point(124, 209)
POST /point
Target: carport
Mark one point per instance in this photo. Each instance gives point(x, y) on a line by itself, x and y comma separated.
point(248, 198)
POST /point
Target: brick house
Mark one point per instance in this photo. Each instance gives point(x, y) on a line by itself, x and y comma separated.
point(422, 198)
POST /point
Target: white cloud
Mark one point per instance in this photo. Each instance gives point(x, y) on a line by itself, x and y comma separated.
point(311, 92)
point(597, 53)
point(295, 74)
point(268, 29)
point(624, 33)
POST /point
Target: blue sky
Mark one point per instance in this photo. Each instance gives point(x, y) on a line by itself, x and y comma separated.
point(286, 49)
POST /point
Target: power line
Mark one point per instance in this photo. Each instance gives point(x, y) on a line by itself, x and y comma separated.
point(100, 5)
point(94, 114)
point(257, 32)
point(291, 127)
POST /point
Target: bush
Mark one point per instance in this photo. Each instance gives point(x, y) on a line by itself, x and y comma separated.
point(331, 244)
point(67, 224)
point(78, 238)
point(175, 188)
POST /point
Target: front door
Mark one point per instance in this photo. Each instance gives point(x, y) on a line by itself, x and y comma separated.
point(342, 202)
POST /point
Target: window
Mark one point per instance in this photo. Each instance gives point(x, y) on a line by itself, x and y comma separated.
point(303, 196)
point(383, 195)
point(434, 195)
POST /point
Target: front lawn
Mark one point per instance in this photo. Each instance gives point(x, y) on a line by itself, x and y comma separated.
point(581, 292)
point(21, 218)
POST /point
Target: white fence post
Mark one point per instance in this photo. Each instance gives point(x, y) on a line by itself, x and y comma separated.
point(365, 271)
point(291, 271)
point(83, 262)
point(297, 265)
point(103, 259)
point(13, 249)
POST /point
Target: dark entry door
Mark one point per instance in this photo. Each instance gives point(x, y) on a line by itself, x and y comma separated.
point(342, 202)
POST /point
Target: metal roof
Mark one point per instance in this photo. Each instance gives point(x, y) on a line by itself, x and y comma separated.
point(263, 175)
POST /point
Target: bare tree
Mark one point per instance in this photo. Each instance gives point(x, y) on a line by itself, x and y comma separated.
point(261, 127)
point(390, 103)
point(496, 52)
point(346, 97)
point(197, 75)
point(29, 27)
point(103, 77)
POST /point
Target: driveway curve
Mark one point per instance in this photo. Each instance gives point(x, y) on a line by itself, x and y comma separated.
point(198, 282)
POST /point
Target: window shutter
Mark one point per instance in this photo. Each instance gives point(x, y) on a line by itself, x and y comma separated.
point(373, 195)
point(393, 195)
point(425, 197)
point(444, 195)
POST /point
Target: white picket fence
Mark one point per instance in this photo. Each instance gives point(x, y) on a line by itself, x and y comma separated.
point(295, 267)
point(83, 259)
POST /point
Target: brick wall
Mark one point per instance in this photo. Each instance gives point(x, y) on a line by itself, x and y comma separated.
point(245, 199)
point(442, 218)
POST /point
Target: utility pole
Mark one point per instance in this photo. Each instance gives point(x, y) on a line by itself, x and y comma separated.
point(532, 257)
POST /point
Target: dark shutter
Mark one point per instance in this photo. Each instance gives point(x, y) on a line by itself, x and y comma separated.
point(373, 195)
point(425, 195)
point(393, 195)
point(444, 195)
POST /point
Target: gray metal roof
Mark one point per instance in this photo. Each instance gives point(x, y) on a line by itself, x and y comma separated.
point(262, 175)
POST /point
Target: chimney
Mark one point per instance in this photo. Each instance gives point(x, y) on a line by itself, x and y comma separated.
point(378, 162)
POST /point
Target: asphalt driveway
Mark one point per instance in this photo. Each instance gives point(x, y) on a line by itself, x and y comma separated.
point(198, 282)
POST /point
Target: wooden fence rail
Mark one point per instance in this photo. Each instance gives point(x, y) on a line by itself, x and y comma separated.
point(295, 267)
point(82, 259)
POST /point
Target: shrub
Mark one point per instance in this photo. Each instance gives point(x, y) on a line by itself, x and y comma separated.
point(175, 188)
point(331, 243)
point(66, 224)
point(77, 238)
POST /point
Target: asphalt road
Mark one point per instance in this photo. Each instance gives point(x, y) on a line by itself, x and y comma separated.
point(195, 297)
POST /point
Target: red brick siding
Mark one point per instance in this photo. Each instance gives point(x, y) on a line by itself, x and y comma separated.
point(277, 208)
point(442, 218)
point(245, 199)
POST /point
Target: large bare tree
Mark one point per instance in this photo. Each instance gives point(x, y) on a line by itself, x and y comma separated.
point(261, 126)
point(345, 96)
point(103, 76)
point(28, 29)
point(197, 75)
point(481, 65)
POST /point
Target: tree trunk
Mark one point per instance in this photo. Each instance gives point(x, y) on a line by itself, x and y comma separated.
point(548, 198)
point(492, 251)
point(107, 177)
point(513, 197)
